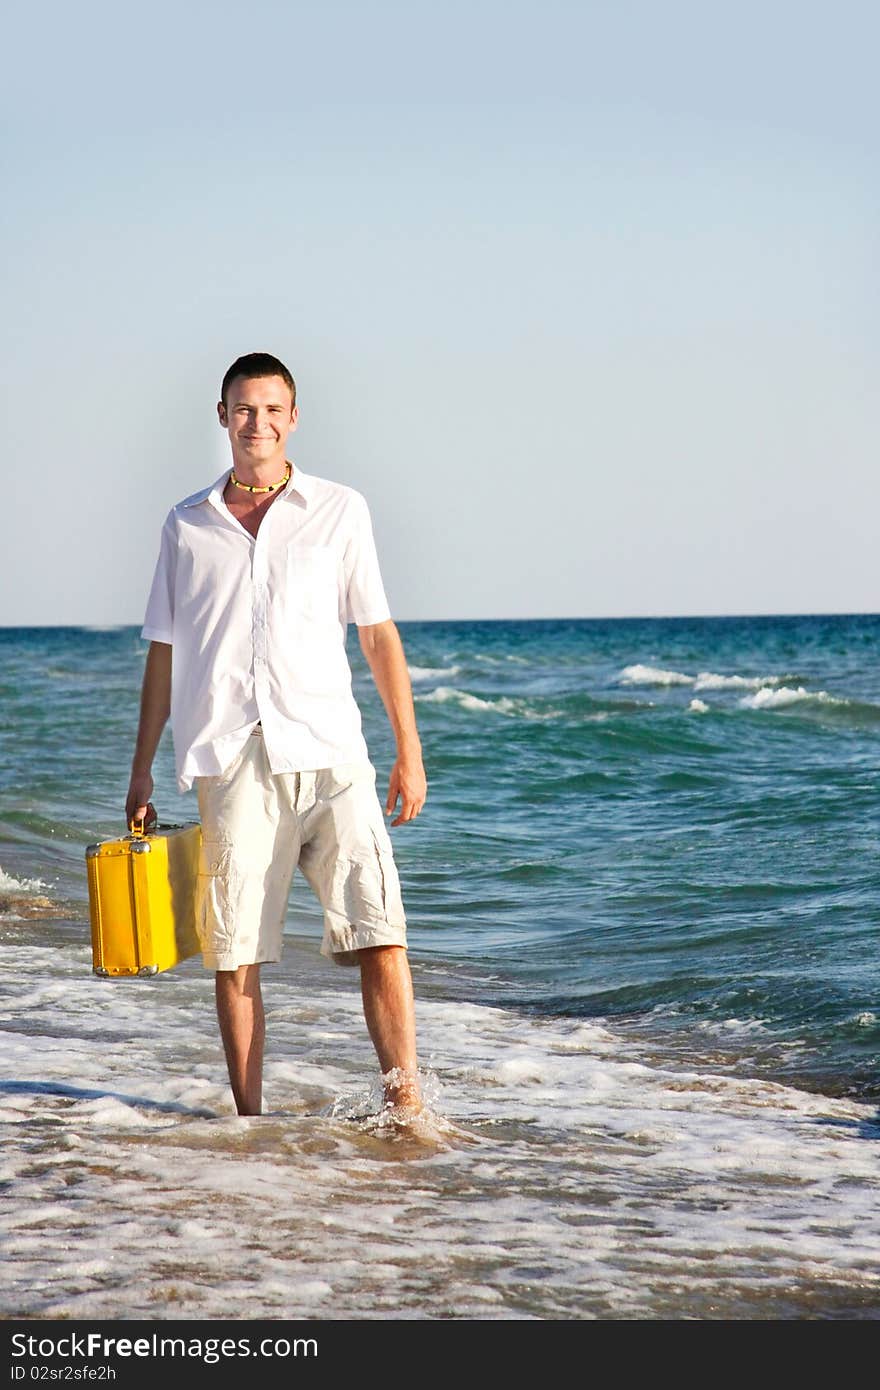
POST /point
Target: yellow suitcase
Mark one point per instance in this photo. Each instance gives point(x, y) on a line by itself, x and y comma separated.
point(142, 899)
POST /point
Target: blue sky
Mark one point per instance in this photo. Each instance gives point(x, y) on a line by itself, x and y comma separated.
point(582, 297)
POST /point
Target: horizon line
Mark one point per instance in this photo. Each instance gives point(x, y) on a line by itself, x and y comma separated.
point(544, 618)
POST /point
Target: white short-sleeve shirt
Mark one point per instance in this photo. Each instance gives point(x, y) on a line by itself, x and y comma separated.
point(257, 625)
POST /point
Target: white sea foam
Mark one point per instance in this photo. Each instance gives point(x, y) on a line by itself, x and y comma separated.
point(20, 887)
point(768, 693)
point(740, 1026)
point(507, 658)
point(705, 680)
point(432, 673)
point(708, 680)
point(565, 1177)
point(653, 675)
point(698, 707)
point(787, 695)
point(446, 694)
point(507, 705)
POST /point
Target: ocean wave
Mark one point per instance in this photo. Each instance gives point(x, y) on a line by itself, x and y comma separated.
point(787, 695)
point(653, 675)
point(744, 1026)
point(510, 706)
point(508, 657)
point(24, 898)
point(764, 692)
point(448, 694)
point(432, 673)
point(708, 680)
point(816, 703)
point(20, 887)
point(639, 674)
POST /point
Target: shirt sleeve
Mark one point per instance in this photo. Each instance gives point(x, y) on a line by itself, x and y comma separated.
point(365, 597)
point(159, 617)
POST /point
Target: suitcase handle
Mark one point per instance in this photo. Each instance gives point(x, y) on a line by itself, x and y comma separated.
point(139, 828)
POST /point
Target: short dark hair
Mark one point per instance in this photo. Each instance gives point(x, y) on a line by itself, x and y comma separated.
point(257, 364)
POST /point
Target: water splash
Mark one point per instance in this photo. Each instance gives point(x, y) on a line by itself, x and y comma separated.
point(377, 1114)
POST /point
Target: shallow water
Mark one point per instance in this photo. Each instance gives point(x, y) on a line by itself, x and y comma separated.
point(643, 907)
point(560, 1173)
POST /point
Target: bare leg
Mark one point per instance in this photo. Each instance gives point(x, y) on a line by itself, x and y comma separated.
point(243, 1030)
point(389, 1009)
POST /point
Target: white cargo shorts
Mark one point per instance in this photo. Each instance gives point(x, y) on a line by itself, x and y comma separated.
point(258, 826)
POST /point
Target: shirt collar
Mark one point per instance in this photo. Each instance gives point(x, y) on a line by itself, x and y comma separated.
point(213, 488)
point(299, 485)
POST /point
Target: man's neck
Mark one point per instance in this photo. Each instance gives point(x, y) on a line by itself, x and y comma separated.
point(267, 473)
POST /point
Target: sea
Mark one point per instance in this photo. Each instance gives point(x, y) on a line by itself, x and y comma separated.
point(643, 902)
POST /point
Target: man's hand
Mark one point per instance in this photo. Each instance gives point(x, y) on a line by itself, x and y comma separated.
point(138, 806)
point(409, 784)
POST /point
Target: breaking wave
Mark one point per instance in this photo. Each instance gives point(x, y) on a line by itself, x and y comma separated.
point(20, 887)
point(653, 675)
point(705, 680)
point(432, 673)
point(786, 695)
point(509, 705)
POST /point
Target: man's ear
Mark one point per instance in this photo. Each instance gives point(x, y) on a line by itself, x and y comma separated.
point(221, 414)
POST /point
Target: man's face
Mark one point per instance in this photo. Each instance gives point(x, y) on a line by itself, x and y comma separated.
point(259, 416)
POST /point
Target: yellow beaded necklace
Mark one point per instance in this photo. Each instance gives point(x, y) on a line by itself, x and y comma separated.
point(249, 487)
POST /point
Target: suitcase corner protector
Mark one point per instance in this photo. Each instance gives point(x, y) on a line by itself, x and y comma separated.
point(92, 851)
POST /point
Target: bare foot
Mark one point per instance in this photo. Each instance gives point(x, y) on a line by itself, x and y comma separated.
point(402, 1093)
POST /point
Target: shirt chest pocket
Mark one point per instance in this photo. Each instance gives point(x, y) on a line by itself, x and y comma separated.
point(312, 588)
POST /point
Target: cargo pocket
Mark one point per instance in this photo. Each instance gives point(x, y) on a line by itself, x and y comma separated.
point(214, 908)
point(392, 901)
point(358, 893)
point(364, 908)
point(366, 892)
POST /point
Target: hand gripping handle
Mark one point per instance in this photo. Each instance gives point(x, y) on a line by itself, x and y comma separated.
point(139, 828)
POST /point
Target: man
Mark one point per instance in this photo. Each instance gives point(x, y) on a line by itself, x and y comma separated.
point(257, 578)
